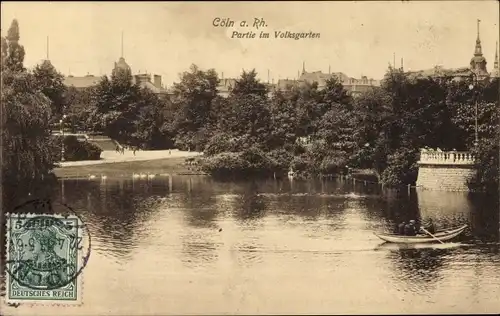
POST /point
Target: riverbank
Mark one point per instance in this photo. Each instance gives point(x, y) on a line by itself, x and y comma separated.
point(113, 164)
point(109, 156)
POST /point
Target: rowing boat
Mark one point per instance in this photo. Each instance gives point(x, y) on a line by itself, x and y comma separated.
point(443, 235)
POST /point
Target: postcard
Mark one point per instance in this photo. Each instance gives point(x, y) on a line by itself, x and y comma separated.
point(305, 157)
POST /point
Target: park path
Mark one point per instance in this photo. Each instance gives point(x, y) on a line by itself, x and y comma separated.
point(108, 156)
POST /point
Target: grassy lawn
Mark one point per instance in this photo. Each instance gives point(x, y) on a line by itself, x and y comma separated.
point(126, 169)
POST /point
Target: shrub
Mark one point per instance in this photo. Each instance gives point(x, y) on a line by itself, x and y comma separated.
point(74, 150)
point(300, 163)
point(281, 160)
point(257, 161)
point(250, 162)
point(402, 168)
point(334, 163)
point(486, 165)
point(219, 143)
point(224, 164)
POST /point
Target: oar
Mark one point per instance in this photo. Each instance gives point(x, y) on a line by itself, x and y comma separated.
point(425, 230)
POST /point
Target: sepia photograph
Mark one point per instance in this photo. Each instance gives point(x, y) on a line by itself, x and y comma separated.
point(250, 158)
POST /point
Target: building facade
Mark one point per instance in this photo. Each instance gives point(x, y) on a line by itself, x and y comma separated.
point(144, 80)
point(354, 86)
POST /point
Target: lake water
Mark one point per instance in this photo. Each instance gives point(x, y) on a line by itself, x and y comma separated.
point(189, 245)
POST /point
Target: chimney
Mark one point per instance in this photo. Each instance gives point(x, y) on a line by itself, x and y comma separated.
point(157, 81)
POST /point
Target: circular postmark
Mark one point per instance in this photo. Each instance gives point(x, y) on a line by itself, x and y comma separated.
point(46, 252)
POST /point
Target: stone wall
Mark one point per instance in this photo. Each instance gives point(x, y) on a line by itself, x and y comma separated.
point(444, 177)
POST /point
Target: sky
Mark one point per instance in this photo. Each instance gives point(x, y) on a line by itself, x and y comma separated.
point(357, 38)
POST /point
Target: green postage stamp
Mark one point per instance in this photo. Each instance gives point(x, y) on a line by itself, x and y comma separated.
point(45, 257)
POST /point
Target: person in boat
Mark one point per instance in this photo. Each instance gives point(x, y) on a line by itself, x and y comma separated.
point(430, 227)
point(401, 228)
point(410, 229)
point(416, 224)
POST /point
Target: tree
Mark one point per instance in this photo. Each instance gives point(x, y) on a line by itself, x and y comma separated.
point(248, 117)
point(26, 143)
point(147, 132)
point(78, 107)
point(192, 100)
point(51, 83)
point(309, 109)
point(283, 120)
point(115, 105)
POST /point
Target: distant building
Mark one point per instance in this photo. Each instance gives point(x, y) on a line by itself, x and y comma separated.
point(477, 66)
point(145, 80)
point(354, 86)
point(225, 86)
point(81, 82)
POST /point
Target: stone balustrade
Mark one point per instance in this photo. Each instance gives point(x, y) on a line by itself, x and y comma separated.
point(446, 158)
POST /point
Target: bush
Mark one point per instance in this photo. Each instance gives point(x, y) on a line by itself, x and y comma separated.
point(250, 162)
point(281, 160)
point(487, 166)
point(75, 150)
point(402, 168)
point(257, 161)
point(300, 163)
point(334, 164)
point(219, 143)
point(224, 164)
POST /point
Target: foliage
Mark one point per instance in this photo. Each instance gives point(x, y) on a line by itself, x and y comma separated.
point(486, 165)
point(51, 83)
point(78, 108)
point(401, 168)
point(281, 160)
point(222, 142)
point(75, 150)
point(192, 101)
point(247, 116)
point(126, 113)
point(26, 144)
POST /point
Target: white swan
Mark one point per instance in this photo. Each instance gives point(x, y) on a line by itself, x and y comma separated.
point(151, 176)
point(135, 175)
point(91, 176)
point(104, 177)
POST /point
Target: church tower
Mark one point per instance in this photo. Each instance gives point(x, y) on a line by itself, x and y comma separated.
point(478, 62)
point(122, 64)
point(495, 72)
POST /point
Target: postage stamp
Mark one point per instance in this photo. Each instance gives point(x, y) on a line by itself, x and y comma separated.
point(45, 256)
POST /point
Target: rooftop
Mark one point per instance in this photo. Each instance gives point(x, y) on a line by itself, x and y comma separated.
point(81, 82)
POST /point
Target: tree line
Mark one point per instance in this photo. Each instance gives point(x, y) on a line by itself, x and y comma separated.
point(254, 131)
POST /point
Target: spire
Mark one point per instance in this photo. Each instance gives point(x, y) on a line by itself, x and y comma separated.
point(303, 67)
point(401, 63)
point(495, 65)
point(478, 51)
point(394, 60)
point(47, 48)
point(329, 69)
point(122, 46)
point(268, 76)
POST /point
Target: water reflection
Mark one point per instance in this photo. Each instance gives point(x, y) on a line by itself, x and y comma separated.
point(280, 237)
point(418, 265)
point(249, 206)
point(115, 211)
